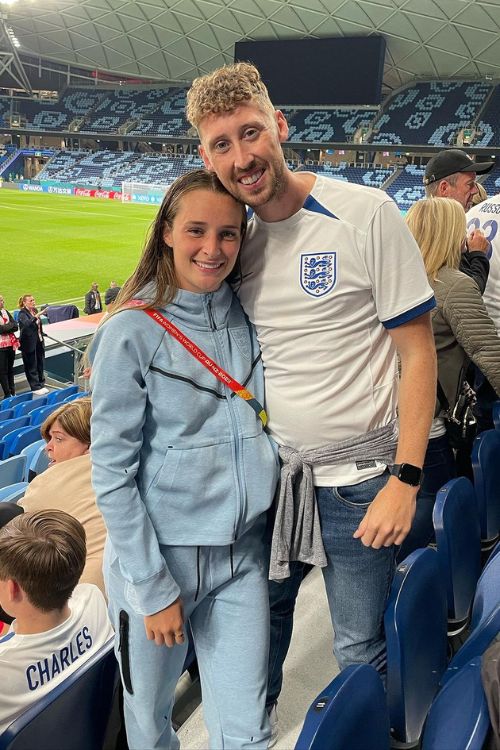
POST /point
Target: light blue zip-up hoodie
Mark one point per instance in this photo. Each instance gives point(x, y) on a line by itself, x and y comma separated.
point(177, 458)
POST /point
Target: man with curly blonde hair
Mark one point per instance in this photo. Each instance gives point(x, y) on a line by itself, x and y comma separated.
point(335, 285)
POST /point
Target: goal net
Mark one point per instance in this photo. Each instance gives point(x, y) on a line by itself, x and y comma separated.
point(143, 192)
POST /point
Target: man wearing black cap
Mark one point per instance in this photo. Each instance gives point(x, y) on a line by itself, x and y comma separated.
point(452, 174)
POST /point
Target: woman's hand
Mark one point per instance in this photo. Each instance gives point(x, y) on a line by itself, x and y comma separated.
point(166, 626)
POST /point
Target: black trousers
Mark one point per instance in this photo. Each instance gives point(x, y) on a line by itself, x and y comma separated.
point(33, 361)
point(7, 357)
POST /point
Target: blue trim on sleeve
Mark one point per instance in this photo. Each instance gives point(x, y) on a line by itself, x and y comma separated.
point(311, 204)
point(415, 312)
point(7, 637)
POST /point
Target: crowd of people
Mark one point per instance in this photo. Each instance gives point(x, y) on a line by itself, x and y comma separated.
point(270, 390)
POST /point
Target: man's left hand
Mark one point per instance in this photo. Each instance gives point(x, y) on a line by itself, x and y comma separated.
point(389, 517)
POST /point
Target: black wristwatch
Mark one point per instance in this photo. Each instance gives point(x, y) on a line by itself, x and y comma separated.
point(408, 474)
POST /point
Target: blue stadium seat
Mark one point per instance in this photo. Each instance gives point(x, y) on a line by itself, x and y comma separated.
point(56, 397)
point(36, 459)
point(415, 626)
point(12, 424)
point(485, 617)
point(11, 401)
point(39, 415)
point(75, 396)
point(350, 714)
point(12, 493)
point(458, 544)
point(9, 445)
point(26, 407)
point(486, 469)
point(25, 437)
point(459, 717)
point(12, 470)
point(74, 714)
point(6, 414)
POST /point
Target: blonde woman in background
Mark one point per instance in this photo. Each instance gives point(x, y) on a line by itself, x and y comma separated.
point(463, 331)
point(66, 484)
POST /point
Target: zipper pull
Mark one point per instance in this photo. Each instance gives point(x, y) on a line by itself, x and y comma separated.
point(210, 314)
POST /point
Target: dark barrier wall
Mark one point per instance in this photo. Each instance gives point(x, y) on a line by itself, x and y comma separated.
point(341, 70)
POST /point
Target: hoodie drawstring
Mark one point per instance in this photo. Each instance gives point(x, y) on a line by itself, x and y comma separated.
point(198, 577)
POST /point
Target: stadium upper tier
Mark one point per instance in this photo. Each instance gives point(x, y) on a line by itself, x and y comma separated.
point(431, 113)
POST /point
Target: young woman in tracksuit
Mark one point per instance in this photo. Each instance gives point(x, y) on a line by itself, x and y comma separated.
point(184, 472)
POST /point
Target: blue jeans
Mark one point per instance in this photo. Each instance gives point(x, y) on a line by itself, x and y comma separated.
point(357, 581)
point(439, 467)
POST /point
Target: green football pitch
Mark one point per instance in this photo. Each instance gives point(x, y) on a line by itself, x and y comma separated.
point(55, 246)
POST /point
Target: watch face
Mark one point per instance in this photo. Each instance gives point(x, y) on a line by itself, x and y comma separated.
point(410, 474)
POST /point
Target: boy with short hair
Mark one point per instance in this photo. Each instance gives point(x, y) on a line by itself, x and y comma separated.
point(57, 627)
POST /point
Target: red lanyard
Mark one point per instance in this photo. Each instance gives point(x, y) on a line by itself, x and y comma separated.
point(205, 360)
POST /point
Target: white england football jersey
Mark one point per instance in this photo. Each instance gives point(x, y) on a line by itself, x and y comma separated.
point(486, 216)
point(323, 287)
point(31, 665)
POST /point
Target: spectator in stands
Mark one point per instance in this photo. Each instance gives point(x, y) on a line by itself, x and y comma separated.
point(111, 294)
point(334, 283)
point(66, 484)
point(463, 330)
point(184, 475)
point(93, 302)
point(57, 627)
point(452, 174)
point(32, 346)
point(8, 346)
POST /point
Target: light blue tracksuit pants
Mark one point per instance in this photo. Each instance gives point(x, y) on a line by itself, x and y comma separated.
point(230, 627)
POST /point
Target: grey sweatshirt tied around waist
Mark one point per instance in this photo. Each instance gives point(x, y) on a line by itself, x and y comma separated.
point(297, 530)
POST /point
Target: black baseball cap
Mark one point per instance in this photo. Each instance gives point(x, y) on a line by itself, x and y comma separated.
point(450, 161)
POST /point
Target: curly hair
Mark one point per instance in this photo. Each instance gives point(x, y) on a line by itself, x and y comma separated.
point(224, 90)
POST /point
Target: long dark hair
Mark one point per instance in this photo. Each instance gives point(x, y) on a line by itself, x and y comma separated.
point(156, 263)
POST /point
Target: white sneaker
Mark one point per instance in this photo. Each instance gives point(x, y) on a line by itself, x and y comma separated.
point(273, 720)
point(41, 392)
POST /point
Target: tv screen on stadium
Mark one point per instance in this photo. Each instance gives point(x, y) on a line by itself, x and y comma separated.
point(340, 70)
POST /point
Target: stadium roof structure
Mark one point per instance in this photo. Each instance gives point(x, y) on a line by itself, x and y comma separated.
point(176, 40)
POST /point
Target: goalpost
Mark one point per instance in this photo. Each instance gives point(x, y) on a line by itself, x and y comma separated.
point(143, 192)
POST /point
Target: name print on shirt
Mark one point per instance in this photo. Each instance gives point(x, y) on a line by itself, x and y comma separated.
point(41, 672)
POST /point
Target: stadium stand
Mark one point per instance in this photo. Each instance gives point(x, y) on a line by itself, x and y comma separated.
point(326, 125)
point(431, 112)
point(408, 186)
point(120, 106)
point(488, 133)
point(372, 177)
point(168, 119)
